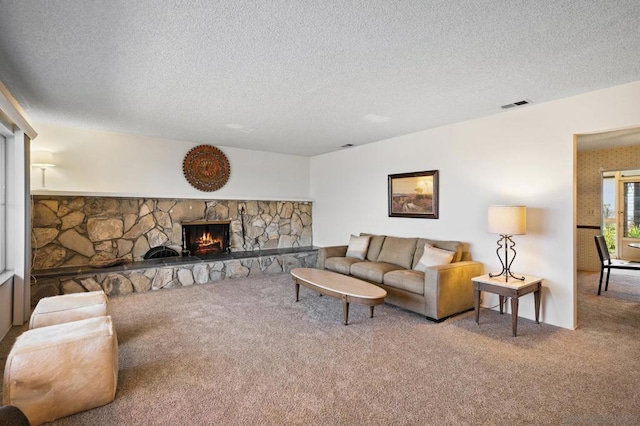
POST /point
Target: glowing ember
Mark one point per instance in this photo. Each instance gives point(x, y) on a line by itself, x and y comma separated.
point(206, 242)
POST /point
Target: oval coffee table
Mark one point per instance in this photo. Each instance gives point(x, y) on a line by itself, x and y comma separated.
point(340, 286)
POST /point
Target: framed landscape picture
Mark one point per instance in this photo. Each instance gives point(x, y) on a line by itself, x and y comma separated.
point(414, 195)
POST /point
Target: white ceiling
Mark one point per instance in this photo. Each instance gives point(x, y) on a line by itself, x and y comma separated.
point(305, 76)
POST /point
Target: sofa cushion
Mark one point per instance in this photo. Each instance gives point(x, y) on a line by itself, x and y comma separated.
point(340, 264)
point(399, 251)
point(433, 256)
point(372, 271)
point(358, 247)
point(375, 245)
point(405, 279)
point(454, 246)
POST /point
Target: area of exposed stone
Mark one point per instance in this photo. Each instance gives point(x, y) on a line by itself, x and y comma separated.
point(165, 277)
point(76, 231)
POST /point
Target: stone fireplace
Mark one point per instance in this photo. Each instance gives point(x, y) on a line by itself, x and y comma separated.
point(74, 231)
point(71, 232)
point(205, 238)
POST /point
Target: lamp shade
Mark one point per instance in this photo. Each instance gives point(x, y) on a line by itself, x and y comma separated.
point(507, 220)
point(42, 159)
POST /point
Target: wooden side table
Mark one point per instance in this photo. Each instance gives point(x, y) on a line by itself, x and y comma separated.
point(512, 288)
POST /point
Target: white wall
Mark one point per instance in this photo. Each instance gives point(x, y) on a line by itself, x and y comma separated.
point(523, 156)
point(108, 163)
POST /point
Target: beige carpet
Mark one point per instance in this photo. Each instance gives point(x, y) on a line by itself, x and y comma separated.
point(244, 352)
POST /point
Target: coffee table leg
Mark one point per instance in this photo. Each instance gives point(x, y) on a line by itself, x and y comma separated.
point(345, 310)
point(297, 290)
point(371, 311)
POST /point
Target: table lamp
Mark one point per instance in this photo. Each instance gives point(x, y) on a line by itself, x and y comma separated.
point(507, 221)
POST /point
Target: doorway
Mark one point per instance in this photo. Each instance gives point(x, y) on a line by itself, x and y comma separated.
point(598, 157)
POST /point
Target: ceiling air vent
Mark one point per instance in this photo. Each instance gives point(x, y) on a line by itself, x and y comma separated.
point(516, 104)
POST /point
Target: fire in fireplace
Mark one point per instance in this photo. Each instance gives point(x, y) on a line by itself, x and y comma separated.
point(203, 238)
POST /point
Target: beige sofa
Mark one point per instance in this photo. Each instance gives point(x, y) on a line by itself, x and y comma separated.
point(438, 293)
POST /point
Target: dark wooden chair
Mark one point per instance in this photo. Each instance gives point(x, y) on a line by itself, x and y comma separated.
point(605, 262)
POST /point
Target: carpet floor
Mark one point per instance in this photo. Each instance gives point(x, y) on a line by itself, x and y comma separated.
point(243, 352)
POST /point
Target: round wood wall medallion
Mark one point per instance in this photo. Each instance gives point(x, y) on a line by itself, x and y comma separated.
point(206, 168)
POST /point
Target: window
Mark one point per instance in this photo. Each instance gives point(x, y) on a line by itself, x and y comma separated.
point(609, 211)
point(15, 138)
point(632, 209)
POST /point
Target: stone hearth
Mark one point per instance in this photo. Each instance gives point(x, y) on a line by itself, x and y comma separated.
point(169, 272)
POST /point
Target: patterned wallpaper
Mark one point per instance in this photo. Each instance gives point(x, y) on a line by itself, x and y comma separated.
point(590, 164)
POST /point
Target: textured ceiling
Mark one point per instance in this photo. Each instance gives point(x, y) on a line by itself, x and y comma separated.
point(305, 77)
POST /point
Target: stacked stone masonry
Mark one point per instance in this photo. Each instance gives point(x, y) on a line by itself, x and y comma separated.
point(165, 277)
point(77, 231)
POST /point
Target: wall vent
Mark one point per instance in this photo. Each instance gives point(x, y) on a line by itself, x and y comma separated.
point(516, 104)
point(347, 145)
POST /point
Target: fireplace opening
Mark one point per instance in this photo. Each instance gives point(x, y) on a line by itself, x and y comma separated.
point(204, 238)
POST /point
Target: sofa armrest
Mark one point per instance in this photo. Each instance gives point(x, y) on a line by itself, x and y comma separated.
point(448, 289)
point(331, 251)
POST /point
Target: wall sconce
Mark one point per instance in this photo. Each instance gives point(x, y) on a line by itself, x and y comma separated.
point(43, 160)
point(507, 221)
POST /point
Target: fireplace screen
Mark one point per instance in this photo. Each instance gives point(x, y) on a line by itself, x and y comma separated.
point(202, 238)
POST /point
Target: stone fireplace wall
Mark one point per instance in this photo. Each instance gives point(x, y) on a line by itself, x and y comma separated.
point(76, 231)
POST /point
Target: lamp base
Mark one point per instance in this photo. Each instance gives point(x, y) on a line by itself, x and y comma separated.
point(43, 188)
point(506, 243)
point(506, 274)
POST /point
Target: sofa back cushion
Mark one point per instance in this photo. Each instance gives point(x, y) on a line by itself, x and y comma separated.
point(398, 251)
point(454, 246)
point(375, 245)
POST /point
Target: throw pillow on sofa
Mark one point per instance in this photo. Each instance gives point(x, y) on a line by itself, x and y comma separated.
point(358, 247)
point(433, 256)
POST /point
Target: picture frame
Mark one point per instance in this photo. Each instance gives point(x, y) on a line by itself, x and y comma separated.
point(414, 195)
